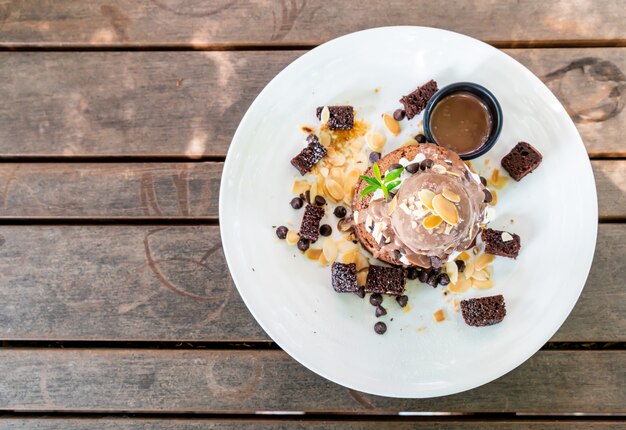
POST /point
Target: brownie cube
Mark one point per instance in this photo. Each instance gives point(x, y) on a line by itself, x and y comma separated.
point(310, 227)
point(521, 160)
point(309, 156)
point(501, 243)
point(415, 102)
point(483, 311)
point(385, 280)
point(344, 277)
point(341, 117)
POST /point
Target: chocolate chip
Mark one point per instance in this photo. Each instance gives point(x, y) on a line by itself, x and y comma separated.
point(420, 138)
point(320, 201)
point(399, 114)
point(426, 164)
point(326, 230)
point(413, 168)
point(402, 300)
point(307, 196)
point(281, 232)
point(483, 181)
point(433, 280)
point(360, 292)
point(303, 244)
point(436, 262)
point(380, 311)
point(423, 276)
point(340, 212)
point(296, 203)
point(376, 299)
point(395, 166)
point(374, 157)
point(460, 264)
point(443, 279)
point(412, 273)
point(380, 327)
point(488, 196)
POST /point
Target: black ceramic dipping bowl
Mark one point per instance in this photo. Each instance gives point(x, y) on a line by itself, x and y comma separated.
point(482, 94)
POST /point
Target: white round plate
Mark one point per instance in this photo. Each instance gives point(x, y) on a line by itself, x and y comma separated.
point(554, 211)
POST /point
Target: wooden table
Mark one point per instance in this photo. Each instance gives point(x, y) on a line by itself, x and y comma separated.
point(116, 306)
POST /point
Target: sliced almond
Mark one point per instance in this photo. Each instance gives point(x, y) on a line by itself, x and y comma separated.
point(439, 316)
point(482, 285)
point(445, 209)
point(347, 246)
point(349, 257)
point(438, 168)
point(460, 286)
point(361, 278)
point(361, 262)
point(469, 269)
point(336, 158)
point(330, 249)
point(306, 129)
point(325, 115)
point(453, 173)
point(334, 189)
point(300, 186)
point(426, 197)
point(494, 198)
point(313, 253)
point(452, 270)
point(392, 125)
point(357, 145)
point(325, 139)
point(351, 178)
point(393, 205)
point(292, 237)
point(322, 259)
point(324, 171)
point(480, 275)
point(375, 140)
point(410, 142)
point(451, 195)
point(483, 260)
point(464, 256)
point(431, 221)
point(336, 173)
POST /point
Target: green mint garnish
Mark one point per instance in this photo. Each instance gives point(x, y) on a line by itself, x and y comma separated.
point(376, 182)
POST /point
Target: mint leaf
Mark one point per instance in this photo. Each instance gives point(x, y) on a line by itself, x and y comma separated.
point(371, 181)
point(393, 185)
point(376, 170)
point(368, 190)
point(394, 174)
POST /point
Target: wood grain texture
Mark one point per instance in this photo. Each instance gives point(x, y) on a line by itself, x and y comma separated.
point(172, 283)
point(236, 424)
point(167, 191)
point(242, 381)
point(110, 190)
point(226, 22)
point(188, 104)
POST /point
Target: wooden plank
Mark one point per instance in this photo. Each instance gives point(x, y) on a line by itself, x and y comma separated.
point(110, 190)
point(172, 284)
point(188, 104)
point(178, 190)
point(236, 424)
point(250, 381)
point(227, 22)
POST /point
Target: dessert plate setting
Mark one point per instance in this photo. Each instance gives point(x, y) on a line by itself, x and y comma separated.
point(428, 348)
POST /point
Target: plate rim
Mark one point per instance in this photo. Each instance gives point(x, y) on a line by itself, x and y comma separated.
point(487, 376)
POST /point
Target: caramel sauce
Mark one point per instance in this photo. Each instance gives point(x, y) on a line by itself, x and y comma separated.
point(461, 122)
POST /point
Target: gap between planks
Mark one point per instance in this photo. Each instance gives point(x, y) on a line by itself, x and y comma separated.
point(283, 46)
